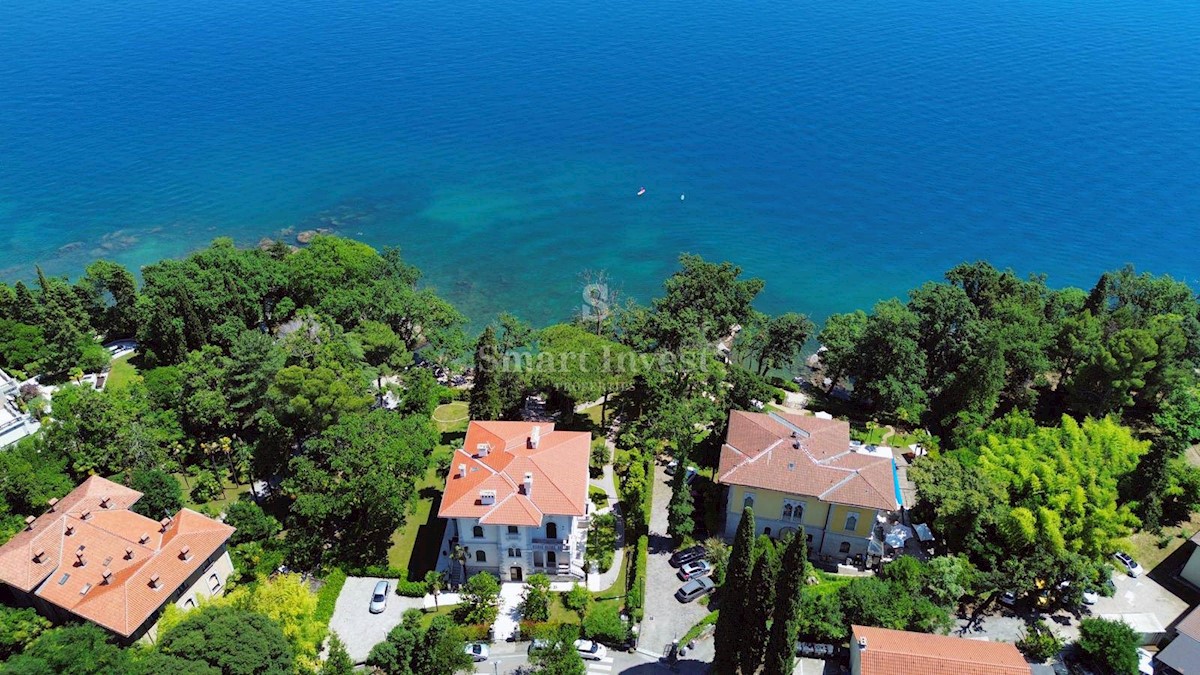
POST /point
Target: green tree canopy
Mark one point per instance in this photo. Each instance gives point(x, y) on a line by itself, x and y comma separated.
point(235, 640)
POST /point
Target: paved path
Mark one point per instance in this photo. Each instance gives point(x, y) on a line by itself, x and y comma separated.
point(356, 625)
point(666, 618)
point(510, 610)
point(608, 483)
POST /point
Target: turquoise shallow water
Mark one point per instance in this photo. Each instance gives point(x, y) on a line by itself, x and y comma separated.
point(842, 151)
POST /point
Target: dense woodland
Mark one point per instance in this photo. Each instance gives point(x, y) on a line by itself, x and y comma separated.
point(1057, 421)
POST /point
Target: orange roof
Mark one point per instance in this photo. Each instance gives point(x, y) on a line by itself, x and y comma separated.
point(899, 652)
point(804, 455)
point(65, 553)
point(494, 460)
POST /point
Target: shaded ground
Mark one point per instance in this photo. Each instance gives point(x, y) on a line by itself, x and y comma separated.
point(415, 546)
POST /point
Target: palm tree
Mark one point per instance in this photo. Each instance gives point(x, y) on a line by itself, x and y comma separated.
point(435, 581)
point(459, 554)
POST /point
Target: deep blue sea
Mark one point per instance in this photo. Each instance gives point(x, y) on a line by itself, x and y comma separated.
point(842, 151)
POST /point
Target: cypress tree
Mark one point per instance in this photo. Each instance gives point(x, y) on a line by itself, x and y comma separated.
point(485, 394)
point(757, 604)
point(680, 523)
point(729, 638)
point(785, 618)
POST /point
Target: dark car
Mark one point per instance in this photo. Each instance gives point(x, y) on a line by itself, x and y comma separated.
point(687, 555)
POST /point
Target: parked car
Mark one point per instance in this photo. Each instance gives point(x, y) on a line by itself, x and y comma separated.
point(815, 650)
point(477, 651)
point(1145, 662)
point(590, 650)
point(1090, 597)
point(1009, 599)
point(687, 555)
point(1126, 562)
point(694, 589)
point(379, 597)
point(696, 568)
point(538, 645)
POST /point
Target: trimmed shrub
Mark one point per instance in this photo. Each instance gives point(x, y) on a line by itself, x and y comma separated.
point(328, 595)
point(603, 624)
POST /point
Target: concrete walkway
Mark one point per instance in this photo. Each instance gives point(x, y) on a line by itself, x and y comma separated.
point(510, 610)
point(608, 483)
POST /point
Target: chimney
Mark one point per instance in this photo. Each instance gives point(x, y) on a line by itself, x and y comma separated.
point(70, 529)
point(107, 576)
point(154, 581)
point(79, 557)
point(86, 515)
point(185, 553)
point(142, 539)
point(535, 435)
point(528, 483)
point(462, 470)
point(129, 553)
point(51, 502)
point(104, 502)
point(862, 643)
point(483, 449)
point(29, 522)
point(39, 555)
point(165, 522)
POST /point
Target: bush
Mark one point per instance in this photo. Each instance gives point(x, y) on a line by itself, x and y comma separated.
point(1110, 645)
point(577, 600)
point(535, 606)
point(477, 632)
point(404, 587)
point(598, 496)
point(602, 540)
point(635, 597)
point(252, 523)
point(537, 630)
point(1039, 642)
point(786, 385)
point(206, 488)
point(328, 595)
point(604, 624)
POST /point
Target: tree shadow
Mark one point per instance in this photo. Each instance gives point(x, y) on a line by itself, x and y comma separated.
point(426, 545)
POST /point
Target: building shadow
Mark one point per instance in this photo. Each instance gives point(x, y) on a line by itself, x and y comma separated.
point(429, 537)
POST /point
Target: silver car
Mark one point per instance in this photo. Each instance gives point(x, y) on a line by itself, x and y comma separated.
point(694, 589)
point(379, 597)
point(477, 651)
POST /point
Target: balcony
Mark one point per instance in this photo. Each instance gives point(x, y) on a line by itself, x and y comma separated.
point(543, 544)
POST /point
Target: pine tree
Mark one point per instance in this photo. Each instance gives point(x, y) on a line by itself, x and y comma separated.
point(339, 662)
point(485, 394)
point(779, 658)
point(757, 604)
point(730, 636)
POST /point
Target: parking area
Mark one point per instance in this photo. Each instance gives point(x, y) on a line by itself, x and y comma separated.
point(356, 625)
point(666, 618)
point(1142, 595)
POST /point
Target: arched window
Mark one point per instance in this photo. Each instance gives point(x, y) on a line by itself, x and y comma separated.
point(477, 532)
point(767, 531)
point(748, 501)
point(793, 510)
point(480, 556)
point(551, 559)
point(845, 547)
point(552, 530)
point(787, 511)
point(852, 522)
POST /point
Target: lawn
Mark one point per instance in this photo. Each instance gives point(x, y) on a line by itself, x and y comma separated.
point(1144, 545)
point(451, 416)
point(593, 413)
point(122, 372)
point(415, 545)
point(232, 492)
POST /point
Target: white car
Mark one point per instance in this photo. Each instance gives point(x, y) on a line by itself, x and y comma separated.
point(1130, 565)
point(477, 651)
point(1145, 662)
point(590, 650)
point(379, 597)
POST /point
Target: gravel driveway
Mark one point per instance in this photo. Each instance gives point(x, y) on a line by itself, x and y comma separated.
point(356, 625)
point(666, 618)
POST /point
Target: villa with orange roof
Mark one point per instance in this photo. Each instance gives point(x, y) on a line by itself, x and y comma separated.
point(90, 557)
point(516, 498)
point(801, 472)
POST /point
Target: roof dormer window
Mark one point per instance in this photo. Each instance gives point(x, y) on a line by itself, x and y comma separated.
point(487, 497)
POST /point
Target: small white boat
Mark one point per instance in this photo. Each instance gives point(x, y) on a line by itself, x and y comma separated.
point(641, 191)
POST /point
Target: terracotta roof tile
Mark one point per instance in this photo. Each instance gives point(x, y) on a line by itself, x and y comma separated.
point(124, 601)
point(804, 455)
point(898, 652)
point(559, 465)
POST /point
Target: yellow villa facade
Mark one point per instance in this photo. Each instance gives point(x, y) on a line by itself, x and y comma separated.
point(801, 472)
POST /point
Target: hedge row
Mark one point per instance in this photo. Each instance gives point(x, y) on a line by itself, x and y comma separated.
point(635, 597)
point(328, 595)
point(410, 589)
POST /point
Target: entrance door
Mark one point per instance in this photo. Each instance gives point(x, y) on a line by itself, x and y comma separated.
point(551, 559)
point(515, 573)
